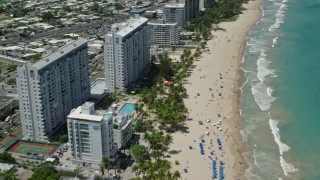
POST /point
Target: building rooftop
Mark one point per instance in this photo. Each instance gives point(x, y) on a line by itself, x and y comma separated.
point(58, 54)
point(78, 114)
point(174, 5)
point(137, 11)
point(118, 118)
point(129, 26)
point(98, 88)
point(5, 167)
point(161, 24)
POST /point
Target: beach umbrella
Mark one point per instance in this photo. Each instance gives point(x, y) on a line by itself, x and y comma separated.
point(220, 120)
point(208, 120)
point(213, 124)
point(220, 129)
point(207, 133)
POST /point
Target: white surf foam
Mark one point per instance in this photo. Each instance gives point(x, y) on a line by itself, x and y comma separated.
point(286, 167)
point(274, 41)
point(263, 65)
point(260, 91)
point(275, 131)
point(261, 96)
point(269, 91)
point(279, 16)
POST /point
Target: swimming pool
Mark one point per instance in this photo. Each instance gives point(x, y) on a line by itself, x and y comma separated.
point(127, 108)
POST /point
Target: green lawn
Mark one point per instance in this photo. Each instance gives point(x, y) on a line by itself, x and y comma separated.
point(24, 148)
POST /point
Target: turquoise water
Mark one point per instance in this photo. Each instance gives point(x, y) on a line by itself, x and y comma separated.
point(106, 116)
point(127, 109)
point(280, 98)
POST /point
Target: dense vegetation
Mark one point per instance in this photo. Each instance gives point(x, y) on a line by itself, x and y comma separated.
point(11, 68)
point(6, 157)
point(166, 102)
point(7, 174)
point(218, 12)
point(47, 172)
point(149, 161)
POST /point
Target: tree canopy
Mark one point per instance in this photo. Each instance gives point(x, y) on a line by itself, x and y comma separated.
point(6, 157)
point(47, 16)
point(118, 6)
point(45, 172)
point(166, 70)
point(139, 153)
point(63, 138)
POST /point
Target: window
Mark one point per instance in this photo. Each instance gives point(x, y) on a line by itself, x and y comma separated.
point(32, 73)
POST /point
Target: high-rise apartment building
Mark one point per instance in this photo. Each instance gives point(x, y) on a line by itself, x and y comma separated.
point(192, 8)
point(126, 53)
point(50, 88)
point(174, 13)
point(90, 136)
point(168, 33)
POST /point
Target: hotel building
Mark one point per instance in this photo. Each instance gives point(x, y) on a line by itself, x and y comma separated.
point(90, 136)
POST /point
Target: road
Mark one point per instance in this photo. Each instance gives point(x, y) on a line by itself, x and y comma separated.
point(73, 29)
point(8, 140)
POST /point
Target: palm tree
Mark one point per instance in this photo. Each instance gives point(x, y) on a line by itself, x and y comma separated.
point(106, 162)
point(176, 175)
point(135, 168)
point(102, 169)
point(167, 140)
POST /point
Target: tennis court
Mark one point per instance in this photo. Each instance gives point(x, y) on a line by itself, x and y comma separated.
point(25, 147)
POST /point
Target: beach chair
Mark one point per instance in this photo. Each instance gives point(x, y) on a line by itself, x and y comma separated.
point(219, 141)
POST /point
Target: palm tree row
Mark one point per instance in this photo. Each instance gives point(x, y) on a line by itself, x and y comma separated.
point(149, 161)
point(166, 102)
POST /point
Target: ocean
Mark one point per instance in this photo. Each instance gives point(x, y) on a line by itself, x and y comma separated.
point(280, 101)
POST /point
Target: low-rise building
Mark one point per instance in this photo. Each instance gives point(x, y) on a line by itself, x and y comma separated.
point(6, 167)
point(155, 51)
point(7, 104)
point(122, 130)
point(90, 136)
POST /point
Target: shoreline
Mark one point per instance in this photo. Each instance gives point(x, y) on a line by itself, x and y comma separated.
point(219, 71)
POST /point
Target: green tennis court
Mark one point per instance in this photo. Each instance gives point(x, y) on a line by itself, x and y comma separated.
point(23, 148)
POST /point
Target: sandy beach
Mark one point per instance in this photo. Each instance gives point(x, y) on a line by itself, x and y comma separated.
point(213, 90)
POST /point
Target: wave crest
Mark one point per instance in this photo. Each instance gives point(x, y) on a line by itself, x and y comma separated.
point(286, 167)
point(279, 16)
